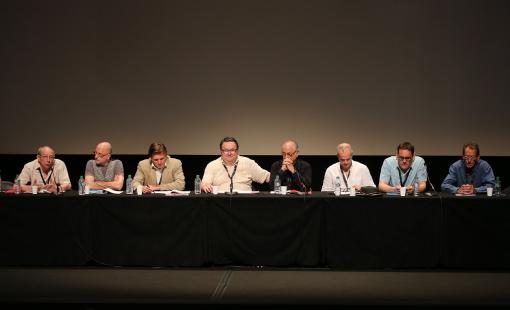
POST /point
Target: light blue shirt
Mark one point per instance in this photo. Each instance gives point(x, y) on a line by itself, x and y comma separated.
point(391, 173)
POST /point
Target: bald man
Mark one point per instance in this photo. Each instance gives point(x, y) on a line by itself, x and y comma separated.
point(103, 172)
point(45, 172)
point(351, 173)
point(294, 173)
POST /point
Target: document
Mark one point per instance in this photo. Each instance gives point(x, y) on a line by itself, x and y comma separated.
point(173, 192)
point(109, 190)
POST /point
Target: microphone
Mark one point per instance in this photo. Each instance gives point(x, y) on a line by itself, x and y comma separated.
point(428, 179)
point(301, 183)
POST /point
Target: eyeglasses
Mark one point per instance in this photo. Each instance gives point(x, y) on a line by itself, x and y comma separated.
point(229, 151)
point(50, 157)
point(288, 154)
point(401, 158)
point(100, 155)
point(469, 158)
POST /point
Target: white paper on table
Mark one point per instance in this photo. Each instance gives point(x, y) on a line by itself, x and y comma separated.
point(239, 192)
point(109, 190)
point(173, 192)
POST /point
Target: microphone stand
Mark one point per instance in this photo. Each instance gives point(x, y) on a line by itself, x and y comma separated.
point(429, 182)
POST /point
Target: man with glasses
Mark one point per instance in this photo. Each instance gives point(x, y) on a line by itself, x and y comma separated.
point(294, 173)
point(403, 170)
point(45, 172)
point(159, 172)
point(103, 172)
point(231, 172)
point(470, 174)
point(351, 172)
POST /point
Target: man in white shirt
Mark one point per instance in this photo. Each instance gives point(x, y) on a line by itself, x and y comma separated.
point(352, 173)
point(45, 172)
point(231, 171)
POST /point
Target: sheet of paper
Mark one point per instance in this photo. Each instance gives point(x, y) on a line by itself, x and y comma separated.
point(109, 190)
point(173, 192)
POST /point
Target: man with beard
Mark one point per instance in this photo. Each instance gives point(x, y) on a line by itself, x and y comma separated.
point(103, 172)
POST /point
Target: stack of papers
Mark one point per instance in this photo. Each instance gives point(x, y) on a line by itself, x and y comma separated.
point(467, 195)
point(173, 192)
point(238, 191)
point(109, 190)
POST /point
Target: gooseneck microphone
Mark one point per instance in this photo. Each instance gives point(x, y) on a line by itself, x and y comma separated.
point(301, 183)
point(428, 178)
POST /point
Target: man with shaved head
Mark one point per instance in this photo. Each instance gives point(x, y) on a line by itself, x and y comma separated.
point(103, 172)
point(45, 172)
point(351, 173)
point(294, 173)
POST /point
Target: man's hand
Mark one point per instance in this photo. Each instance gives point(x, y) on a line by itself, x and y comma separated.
point(206, 187)
point(150, 188)
point(287, 164)
point(52, 188)
point(466, 189)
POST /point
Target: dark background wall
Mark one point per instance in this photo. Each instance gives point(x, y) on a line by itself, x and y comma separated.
point(187, 73)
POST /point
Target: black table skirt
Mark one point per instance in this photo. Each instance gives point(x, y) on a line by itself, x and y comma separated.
point(320, 230)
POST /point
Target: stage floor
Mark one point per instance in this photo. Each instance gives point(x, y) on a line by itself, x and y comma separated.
point(107, 288)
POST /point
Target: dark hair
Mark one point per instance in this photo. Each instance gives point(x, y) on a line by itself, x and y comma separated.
point(473, 146)
point(229, 139)
point(406, 146)
point(157, 148)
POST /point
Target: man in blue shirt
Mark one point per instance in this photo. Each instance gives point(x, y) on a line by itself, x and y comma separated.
point(403, 170)
point(469, 175)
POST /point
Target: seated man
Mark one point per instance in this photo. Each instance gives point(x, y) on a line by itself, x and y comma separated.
point(351, 172)
point(403, 170)
point(45, 172)
point(103, 172)
point(470, 174)
point(293, 172)
point(232, 172)
point(159, 171)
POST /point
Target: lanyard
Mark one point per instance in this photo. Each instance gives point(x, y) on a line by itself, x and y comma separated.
point(49, 177)
point(407, 173)
point(343, 175)
point(231, 177)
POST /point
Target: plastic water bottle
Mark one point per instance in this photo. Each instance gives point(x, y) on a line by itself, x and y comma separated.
point(17, 184)
point(277, 184)
point(197, 184)
point(497, 188)
point(337, 186)
point(129, 185)
point(416, 189)
point(81, 186)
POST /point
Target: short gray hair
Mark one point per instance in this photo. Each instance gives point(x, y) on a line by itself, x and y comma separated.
point(342, 147)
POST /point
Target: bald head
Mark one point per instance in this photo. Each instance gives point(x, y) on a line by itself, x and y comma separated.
point(105, 147)
point(290, 149)
point(103, 153)
point(292, 144)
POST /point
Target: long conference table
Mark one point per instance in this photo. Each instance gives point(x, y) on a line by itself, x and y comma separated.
point(317, 230)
